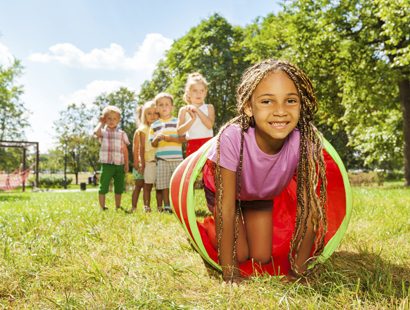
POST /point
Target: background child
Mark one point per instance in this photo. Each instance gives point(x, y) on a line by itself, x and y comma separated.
point(196, 119)
point(138, 164)
point(113, 154)
point(255, 157)
point(164, 136)
point(147, 151)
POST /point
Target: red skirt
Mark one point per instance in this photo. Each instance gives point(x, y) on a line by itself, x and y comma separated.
point(194, 144)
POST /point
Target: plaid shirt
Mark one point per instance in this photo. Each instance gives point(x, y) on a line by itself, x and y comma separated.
point(111, 146)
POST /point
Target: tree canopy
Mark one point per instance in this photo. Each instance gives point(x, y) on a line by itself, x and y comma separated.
point(13, 116)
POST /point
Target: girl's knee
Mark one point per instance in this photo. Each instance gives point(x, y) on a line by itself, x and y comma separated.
point(262, 258)
point(242, 255)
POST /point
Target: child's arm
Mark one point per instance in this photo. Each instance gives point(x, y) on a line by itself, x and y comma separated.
point(183, 125)
point(156, 140)
point(207, 120)
point(136, 150)
point(142, 151)
point(169, 138)
point(230, 271)
point(125, 152)
point(98, 128)
point(305, 249)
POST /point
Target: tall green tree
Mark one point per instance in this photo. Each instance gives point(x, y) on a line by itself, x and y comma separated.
point(73, 130)
point(212, 48)
point(13, 116)
point(357, 53)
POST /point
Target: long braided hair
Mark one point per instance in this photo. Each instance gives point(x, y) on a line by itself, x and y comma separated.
point(311, 171)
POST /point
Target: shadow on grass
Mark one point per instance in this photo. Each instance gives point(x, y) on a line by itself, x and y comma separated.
point(13, 197)
point(365, 274)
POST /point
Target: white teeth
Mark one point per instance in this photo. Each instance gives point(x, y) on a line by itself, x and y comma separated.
point(278, 124)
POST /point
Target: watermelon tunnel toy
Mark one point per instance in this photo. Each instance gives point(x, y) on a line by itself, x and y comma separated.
point(202, 234)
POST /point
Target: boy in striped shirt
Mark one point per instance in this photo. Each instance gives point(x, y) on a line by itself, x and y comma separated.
point(164, 136)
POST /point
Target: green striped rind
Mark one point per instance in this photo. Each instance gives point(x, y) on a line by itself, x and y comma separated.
point(191, 202)
point(337, 237)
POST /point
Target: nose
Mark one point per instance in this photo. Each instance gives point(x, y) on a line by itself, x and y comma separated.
point(279, 109)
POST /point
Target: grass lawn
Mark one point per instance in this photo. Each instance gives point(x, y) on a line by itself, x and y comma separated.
point(57, 250)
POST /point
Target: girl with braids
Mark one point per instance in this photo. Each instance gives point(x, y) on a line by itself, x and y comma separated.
point(271, 141)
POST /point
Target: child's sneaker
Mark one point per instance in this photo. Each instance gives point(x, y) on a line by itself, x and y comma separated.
point(147, 209)
point(168, 209)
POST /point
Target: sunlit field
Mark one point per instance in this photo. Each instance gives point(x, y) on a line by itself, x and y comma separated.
point(58, 250)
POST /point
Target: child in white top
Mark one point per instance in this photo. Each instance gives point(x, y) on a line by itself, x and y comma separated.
point(196, 119)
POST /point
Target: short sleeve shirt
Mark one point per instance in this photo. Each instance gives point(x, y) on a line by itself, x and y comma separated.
point(111, 146)
point(263, 175)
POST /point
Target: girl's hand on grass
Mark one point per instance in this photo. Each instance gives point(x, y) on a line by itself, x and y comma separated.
point(292, 277)
point(232, 277)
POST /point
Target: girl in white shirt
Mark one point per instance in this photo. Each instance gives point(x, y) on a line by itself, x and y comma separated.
point(196, 119)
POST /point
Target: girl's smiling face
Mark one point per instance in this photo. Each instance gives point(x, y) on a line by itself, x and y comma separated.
point(151, 115)
point(275, 105)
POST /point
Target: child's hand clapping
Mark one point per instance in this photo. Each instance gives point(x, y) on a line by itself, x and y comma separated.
point(192, 108)
point(192, 112)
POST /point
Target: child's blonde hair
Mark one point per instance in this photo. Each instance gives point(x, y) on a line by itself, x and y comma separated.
point(111, 109)
point(194, 78)
point(147, 105)
point(311, 170)
point(163, 95)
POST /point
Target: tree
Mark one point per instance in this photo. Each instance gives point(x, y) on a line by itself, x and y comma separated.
point(357, 53)
point(73, 130)
point(376, 35)
point(13, 117)
point(214, 49)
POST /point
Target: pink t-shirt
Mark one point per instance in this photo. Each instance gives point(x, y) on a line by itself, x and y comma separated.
point(263, 176)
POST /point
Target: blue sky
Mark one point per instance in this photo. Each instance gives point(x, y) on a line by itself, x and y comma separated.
point(74, 50)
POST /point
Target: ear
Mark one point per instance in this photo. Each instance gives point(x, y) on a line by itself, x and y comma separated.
point(248, 109)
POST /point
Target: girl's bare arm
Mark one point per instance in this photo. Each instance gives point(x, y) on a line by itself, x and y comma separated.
point(183, 125)
point(228, 263)
point(207, 120)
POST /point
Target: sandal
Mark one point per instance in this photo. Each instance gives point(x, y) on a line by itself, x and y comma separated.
point(147, 209)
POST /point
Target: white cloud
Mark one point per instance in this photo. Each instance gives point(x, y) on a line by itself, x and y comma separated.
point(6, 58)
point(144, 59)
point(93, 90)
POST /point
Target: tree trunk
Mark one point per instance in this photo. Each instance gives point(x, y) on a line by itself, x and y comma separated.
point(404, 88)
